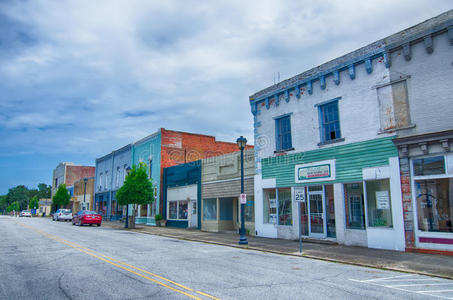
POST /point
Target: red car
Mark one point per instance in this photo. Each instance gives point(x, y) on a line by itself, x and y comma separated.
point(87, 217)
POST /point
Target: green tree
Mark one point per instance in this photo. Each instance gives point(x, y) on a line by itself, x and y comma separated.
point(34, 203)
point(19, 194)
point(14, 207)
point(137, 190)
point(3, 203)
point(44, 191)
point(61, 197)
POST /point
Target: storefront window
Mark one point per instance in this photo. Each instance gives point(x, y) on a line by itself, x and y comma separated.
point(284, 206)
point(434, 204)
point(226, 208)
point(182, 209)
point(355, 214)
point(270, 206)
point(250, 209)
point(173, 207)
point(379, 203)
point(429, 166)
point(210, 209)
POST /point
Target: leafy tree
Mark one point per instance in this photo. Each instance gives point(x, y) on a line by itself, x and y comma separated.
point(137, 189)
point(61, 197)
point(34, 203)
point(3, 203)
point(13, 207)
point(44, 191)
point(19, 194)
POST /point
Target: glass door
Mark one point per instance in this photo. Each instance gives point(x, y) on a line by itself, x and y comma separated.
point(316, 208)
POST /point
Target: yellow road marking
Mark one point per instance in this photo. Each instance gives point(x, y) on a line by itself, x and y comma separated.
point(112, 261)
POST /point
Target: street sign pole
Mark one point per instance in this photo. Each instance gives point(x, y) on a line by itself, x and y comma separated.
point(300, 230)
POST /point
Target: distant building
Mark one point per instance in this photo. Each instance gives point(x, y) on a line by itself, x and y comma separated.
point(67, 173)
point(83, 197)
point(45, 206)
point(341, 139)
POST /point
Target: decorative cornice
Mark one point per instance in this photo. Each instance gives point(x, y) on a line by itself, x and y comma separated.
point(381, 49)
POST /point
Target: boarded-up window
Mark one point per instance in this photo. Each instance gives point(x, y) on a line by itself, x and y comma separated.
point(393, 106)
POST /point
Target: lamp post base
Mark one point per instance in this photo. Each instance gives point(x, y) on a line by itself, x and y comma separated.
point(243, 240)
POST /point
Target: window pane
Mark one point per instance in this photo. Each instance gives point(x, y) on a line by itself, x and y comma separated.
point(182, 210)
point(270, 206)
point(226, 209)
point(173, 205)
point(434, 204)
point(355, 214)
point(250, 209)
point(283, 133)
point(429, 166)
point(209, 209)
point(284, 206)
point(379, 203)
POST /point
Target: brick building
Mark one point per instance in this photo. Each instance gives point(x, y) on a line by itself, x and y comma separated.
point(83, 194)
point(67, 173)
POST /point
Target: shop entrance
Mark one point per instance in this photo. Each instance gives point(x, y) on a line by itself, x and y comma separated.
point(318, 213)
point(316, 208)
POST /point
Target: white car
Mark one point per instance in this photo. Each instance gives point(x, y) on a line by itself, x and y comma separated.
point(25, 213)
point(62, 214)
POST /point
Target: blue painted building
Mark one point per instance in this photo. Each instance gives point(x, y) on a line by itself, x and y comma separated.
point(182, 195)
point(111, 171)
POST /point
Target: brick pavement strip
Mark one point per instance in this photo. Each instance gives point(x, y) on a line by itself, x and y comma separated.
point(418, 263)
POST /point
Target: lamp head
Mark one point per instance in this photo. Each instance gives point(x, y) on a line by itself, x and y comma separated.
point(242, 141)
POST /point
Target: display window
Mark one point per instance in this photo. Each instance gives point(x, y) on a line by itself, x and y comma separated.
point(270, 206)
point(354, 205)
point(210, 209)
point(177, 210)
point(250, 209)
point(379, 203)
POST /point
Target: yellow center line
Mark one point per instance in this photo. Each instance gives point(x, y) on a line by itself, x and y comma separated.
point(112, 261)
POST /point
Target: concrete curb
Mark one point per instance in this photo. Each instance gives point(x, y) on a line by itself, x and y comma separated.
point(296, 254)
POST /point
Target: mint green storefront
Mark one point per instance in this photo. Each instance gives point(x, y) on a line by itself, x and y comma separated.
point(349, 193)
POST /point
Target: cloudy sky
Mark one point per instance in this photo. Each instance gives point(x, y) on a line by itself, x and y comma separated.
point(81, 78)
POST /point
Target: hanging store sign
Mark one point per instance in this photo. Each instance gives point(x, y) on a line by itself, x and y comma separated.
point(317, 171)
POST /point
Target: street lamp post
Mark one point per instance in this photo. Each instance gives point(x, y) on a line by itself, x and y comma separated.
point(242, 141)
point(85, 180)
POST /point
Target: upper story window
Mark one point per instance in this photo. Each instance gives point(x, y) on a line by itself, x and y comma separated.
point(283, 133)
point(393, 106)
point(118, 176)
point(150, 165)
point(100, 181)
point(329, 121)
point(106, 180)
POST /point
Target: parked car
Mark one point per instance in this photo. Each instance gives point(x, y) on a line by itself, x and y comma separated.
point(87, 217)
point(62, 214)
point(25, 213)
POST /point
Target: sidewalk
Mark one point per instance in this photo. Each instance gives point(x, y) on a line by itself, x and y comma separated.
point(427, 264)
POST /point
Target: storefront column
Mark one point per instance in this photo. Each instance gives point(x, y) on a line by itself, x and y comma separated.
point(340, 225)
point(408, 213)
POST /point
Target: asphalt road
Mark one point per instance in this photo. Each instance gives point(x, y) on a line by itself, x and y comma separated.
point(42, 259)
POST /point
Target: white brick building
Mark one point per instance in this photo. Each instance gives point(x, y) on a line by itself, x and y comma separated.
point(327, 135)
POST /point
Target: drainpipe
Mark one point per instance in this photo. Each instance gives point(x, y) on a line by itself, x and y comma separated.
point(109, 206)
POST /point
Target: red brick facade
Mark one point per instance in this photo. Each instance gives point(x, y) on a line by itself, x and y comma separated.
point(183, 147)
point(75, 173)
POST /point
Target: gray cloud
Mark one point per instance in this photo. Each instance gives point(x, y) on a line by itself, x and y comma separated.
point(84, 78)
